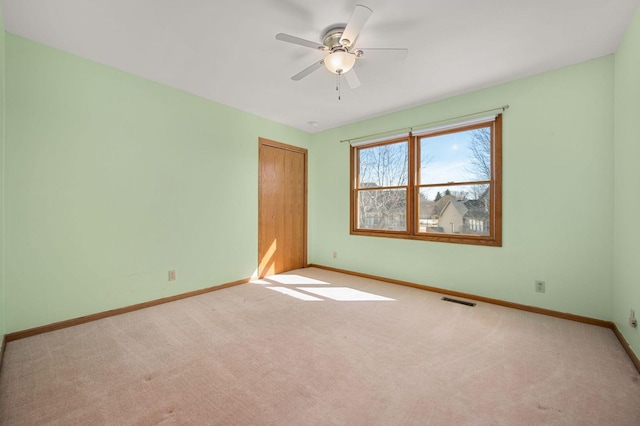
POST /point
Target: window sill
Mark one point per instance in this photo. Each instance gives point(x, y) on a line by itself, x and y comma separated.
point(488, 241)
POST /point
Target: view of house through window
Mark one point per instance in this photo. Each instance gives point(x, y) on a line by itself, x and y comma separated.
point(440, 185)
point(384, 182)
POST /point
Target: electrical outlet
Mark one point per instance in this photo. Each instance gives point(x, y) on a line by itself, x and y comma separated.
point(633, 322)
point(172, 275)
point(540, 286)
point(335, 254)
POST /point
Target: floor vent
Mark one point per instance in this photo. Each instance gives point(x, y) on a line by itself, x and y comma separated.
point(462, 302)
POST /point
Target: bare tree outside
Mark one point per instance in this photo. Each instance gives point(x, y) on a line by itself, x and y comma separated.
point(384, 173)
point(385, 165)
point(480, 154)
point(480, 159)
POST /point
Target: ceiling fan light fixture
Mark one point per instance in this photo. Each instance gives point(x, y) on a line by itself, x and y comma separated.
point(339, 62)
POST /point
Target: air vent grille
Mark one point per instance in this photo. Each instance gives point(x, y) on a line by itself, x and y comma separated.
point(461, 302)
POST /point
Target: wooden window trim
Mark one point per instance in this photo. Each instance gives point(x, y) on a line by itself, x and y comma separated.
point(494, 239)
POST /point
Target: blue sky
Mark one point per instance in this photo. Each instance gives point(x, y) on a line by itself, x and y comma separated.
point(448, 158)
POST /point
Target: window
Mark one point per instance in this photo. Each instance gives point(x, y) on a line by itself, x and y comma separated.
point(437, 185)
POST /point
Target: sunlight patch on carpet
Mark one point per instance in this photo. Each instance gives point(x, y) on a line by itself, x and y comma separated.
point(298, 295)
point(309, 292)
point(294, 280)
point(346, 294)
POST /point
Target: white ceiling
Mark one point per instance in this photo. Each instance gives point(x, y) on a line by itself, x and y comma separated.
point(226, 50)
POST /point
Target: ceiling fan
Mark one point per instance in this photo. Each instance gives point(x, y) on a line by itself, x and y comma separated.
point(338, 44)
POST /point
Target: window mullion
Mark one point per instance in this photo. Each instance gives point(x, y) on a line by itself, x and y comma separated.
point(412, 213)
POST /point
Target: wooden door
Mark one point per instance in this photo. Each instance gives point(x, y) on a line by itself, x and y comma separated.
point(282, 208)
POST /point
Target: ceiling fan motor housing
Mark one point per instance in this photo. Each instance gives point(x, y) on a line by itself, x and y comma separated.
point(331, 38)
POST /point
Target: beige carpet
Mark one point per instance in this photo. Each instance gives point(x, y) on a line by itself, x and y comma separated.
point(320, 348)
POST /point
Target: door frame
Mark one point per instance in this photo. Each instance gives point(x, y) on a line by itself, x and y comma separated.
point(263, 142)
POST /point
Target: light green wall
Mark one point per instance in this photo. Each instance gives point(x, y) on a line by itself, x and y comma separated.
point(113, 180)
point(558, 194)
point(626, 288)
point(2, 298)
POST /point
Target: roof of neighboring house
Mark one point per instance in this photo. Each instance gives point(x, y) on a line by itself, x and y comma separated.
point(477, 209)
point(440, 205)
point(468, 209)
point(458, 205)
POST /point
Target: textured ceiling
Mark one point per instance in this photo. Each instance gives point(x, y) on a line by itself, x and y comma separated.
point(227, 51)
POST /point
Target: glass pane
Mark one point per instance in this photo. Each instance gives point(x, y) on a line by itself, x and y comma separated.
point(462, 209)
point(456, 157)
point(383, 209)
point(384, 166)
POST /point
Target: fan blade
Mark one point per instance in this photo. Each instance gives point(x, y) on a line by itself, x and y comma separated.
point(352, 79)
point(356, 22)
point(389, 53)
point(300, 41)
point(305, 72)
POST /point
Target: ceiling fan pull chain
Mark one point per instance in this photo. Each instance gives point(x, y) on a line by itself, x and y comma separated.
point(338, 85)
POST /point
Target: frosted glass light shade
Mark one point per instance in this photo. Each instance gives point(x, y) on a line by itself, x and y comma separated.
point(339, 62)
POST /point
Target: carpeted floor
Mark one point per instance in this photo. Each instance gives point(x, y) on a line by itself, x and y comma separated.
point(314, 347)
